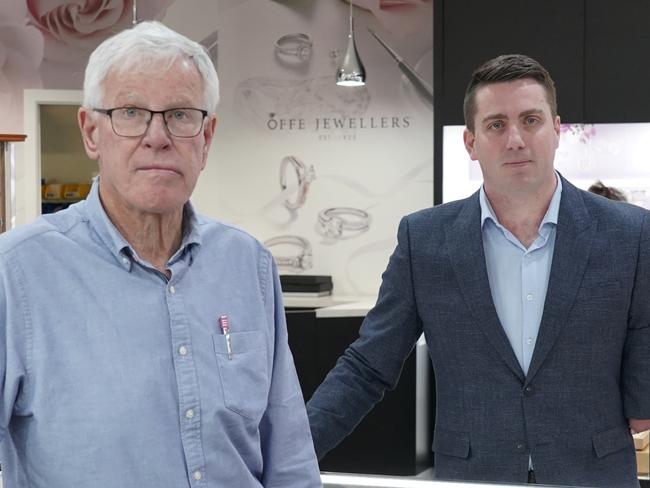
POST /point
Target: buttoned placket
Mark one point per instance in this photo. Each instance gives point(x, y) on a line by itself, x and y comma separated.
point(186, 380)
point(530, 302)
point(528, 308)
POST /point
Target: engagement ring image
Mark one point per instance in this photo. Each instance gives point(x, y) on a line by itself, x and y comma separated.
point(302, 260)
point(296, 47)
point(333, 222)
point(305, 176)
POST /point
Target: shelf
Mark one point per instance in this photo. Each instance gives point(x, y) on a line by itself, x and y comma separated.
point(69, 201)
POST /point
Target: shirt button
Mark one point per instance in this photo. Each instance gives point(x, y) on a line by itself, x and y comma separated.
point(125, 260)
point(172, 290)
point(197, 475)
point(529, 297)
point(189, 414)
point(182, 350)
point(529, 341)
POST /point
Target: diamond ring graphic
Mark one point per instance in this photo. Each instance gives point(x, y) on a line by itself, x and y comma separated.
point(302, 260)
point(335, 220)
point(305, 176)
point(296, 45)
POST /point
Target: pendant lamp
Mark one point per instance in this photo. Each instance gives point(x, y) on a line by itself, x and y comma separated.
point(351, 71)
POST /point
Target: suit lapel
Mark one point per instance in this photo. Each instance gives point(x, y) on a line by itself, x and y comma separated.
point(464, 246)
point(574, 237)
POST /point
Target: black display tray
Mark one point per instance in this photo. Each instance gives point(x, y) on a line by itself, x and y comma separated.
point(304, 279)
point(306, 283)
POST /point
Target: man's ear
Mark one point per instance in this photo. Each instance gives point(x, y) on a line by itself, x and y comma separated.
point(89, 132)
point(209, 129)
point(469, 139)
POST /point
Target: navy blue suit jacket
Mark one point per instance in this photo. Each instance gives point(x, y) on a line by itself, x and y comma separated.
point(590, 369)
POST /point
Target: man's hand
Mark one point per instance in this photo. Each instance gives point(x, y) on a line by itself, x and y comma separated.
point(639, 425)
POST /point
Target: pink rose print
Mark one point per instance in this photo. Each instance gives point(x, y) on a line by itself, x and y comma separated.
point(73, 28)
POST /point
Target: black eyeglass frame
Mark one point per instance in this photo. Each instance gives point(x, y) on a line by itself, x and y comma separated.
point(109, 112)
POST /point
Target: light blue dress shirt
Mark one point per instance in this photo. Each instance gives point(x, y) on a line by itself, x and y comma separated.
point(114, 376)
point(518, 276)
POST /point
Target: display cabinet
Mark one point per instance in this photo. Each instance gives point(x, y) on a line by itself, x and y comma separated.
point(7, 177)
point(404, 416)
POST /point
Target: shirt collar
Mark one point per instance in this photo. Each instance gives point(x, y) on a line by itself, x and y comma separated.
point(551, 216)
point(118, 245)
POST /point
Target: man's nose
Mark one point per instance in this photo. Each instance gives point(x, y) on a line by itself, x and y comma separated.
point(515, 139)
point(157, 134)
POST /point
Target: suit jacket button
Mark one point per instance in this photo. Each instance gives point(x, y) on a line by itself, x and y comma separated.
point(529, 390)
point(520, 446)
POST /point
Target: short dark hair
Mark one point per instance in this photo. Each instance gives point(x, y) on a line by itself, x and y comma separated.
point(508, 67)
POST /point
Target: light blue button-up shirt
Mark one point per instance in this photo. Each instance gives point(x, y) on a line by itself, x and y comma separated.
point(114, 376)
point(519, 276)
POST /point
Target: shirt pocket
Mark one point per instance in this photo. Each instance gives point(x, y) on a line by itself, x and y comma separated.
point(244, 376)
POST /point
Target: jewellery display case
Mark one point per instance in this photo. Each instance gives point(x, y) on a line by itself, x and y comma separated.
point(331, 480)
point(317, 337)
point(7, 177)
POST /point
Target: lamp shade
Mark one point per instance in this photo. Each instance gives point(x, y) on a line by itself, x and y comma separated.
point(351, 71)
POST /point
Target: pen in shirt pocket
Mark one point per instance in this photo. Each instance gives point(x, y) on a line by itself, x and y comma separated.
point(224, 325)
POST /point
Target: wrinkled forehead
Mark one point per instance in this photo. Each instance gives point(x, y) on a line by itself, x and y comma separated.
point(175, 79)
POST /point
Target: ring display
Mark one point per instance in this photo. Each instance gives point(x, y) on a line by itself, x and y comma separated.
point(334, 221)
point(296, 45)
point(305, 176)
point(303, 260)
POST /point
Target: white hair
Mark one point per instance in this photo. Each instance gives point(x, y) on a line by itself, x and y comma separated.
point(147, 43)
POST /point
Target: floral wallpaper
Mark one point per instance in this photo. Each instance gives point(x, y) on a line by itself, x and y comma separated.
point(46, 43)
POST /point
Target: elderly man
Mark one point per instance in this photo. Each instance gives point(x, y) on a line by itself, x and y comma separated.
point(533, 297)
point(143, 345)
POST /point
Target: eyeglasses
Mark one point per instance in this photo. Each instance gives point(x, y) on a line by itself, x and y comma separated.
point(134, 121)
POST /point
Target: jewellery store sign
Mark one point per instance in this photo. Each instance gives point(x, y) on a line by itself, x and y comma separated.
point(322, 173)
point(327, 126)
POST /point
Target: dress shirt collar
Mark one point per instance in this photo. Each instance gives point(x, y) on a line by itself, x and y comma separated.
point(487, 212)
point(119, 246)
